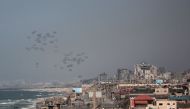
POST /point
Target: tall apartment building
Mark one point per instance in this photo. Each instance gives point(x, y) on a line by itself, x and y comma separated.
point(124, 75)
point(103, 77)
point(145, 72)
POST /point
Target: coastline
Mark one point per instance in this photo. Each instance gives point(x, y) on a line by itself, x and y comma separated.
point(58, 90)
point(27, 98)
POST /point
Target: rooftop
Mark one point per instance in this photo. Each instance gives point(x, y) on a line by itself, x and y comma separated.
point(143, 97)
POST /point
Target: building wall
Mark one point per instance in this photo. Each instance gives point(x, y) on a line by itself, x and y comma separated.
point(167, 75)
point(165, 104)
point(103, 77)
point(145, 71)
point(161, 91)
point(124, 75)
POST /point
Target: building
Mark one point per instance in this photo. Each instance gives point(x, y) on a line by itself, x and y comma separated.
point(179, 98)
point(140, 101)
point(103, 77)
point(167, 75)
point(163, 104)
point(145, 72)
point(161, 91)
point(124, 75)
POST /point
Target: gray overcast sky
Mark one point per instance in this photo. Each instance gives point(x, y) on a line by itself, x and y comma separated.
point(113, 33)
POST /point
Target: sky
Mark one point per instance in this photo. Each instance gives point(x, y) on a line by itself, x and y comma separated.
point(112, 33)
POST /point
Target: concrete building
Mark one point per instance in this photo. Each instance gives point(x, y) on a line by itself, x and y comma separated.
point(186, 76)
point(103, 77)
point(167, 75)
point(161, 91)
point(124, 75)
point(145, 72)
point(163, 104)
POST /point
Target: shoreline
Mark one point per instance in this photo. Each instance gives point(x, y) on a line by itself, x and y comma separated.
point(30, 103)
point(58, 90)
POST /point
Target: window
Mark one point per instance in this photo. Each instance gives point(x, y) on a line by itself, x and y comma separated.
point(168, 103)
point(160, 104)
point(173, 103)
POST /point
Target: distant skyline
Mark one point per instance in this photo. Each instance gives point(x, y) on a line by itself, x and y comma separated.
point(111, 33)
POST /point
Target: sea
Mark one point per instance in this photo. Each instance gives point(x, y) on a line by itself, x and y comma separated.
point(21, 99)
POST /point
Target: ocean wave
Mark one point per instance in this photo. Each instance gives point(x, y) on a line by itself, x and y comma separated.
point(20, 104)
point(38, 95)
point(7, 102)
